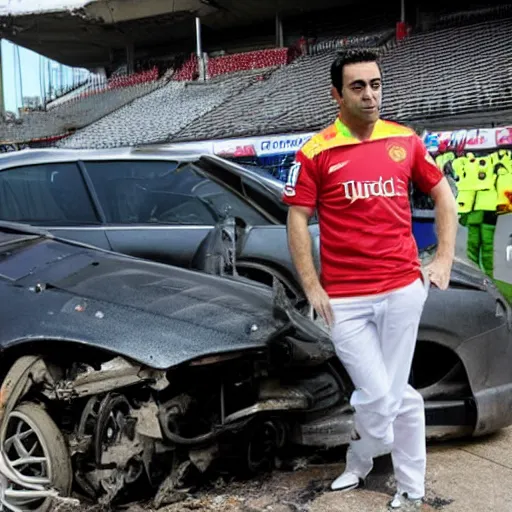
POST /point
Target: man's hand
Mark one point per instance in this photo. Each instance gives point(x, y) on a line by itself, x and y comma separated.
point(446, 223)
point(438, 271)
point(319, 300)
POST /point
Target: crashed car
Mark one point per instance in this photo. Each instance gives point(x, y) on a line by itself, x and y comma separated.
point(119, 374)
point(178, 208)
point(151, 203)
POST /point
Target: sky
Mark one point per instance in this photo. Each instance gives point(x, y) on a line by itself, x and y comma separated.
point(37, 73)
point(32, 70)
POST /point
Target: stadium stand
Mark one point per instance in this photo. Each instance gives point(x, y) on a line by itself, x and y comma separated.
point(460, 67)
point(448, 18)
point(293, 98)
point(450, 72)
point(72, 115)
point(363, 30)
point(261, 59)
point(438, 73)
point(188, 71)
point(245, 61)
point(157, 116)
point(339, 42)
point(142, 77)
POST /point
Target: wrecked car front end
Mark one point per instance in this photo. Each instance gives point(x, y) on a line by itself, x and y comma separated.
point(122, 372)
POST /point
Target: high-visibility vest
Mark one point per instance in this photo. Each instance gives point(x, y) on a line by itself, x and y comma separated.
point(465, 201)
point(443, 158)
point(465, 196)
point(459, 166)
point(471, 173)
point(483, 173)
point(502, 156)
point(486, 200)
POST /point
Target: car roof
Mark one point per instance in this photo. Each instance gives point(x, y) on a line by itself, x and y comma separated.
point(264, 181)
point(57, 155)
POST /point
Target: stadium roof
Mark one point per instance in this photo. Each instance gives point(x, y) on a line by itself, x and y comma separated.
point(17, 8)
point(87, 33)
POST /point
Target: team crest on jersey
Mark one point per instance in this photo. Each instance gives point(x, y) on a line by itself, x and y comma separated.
point(293, 176)
point(397, 153)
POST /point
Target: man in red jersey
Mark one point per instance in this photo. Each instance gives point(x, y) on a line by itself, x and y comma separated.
point(371, 289)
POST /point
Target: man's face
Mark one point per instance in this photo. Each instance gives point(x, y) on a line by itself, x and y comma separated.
point(362, 91)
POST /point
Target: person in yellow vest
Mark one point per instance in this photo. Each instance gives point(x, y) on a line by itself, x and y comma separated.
point(466, 193)
point(480, 220)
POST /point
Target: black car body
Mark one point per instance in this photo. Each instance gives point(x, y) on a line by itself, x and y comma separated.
point(164, 206)
point(114, 370)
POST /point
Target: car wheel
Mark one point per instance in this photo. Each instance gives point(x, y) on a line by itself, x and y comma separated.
point(37, 452)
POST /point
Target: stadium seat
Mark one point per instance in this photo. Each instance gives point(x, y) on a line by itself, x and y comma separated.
point(157, 116)
point(261, 59)
point(433, 74)
point(450, 72)
point(188, 70)
point(84, 109)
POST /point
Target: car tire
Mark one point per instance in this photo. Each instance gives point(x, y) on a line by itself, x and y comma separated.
point(52, 446)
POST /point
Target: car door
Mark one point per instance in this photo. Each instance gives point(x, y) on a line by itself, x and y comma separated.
point(161, 209)
point(503, 255)
point(151, 209)
point(53, 196)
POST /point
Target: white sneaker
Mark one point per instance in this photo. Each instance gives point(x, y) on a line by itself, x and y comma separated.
point(403, 503)
point(356, 471)
point(347, 481)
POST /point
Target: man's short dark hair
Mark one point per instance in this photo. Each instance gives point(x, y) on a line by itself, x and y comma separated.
point(351, 56)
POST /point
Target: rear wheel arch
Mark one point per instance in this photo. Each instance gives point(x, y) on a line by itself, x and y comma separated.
point(436, 359)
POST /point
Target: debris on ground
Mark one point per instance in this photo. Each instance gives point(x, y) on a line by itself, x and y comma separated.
point(303, 487)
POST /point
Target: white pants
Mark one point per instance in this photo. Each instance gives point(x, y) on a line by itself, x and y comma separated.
point(375, 338)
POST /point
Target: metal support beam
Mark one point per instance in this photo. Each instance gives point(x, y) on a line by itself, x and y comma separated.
point(2, 103)
point(279, 31)
point(402, 10)
point(200, 56)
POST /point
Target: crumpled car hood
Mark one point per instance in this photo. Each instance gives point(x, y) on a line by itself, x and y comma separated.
point(157, 314)
point(201, 313)
point(172, 292)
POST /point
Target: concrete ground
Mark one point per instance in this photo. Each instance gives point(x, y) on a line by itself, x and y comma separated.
point(464, 476)
point(470, 476)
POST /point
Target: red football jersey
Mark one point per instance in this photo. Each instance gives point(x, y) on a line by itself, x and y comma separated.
point(361, 193)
